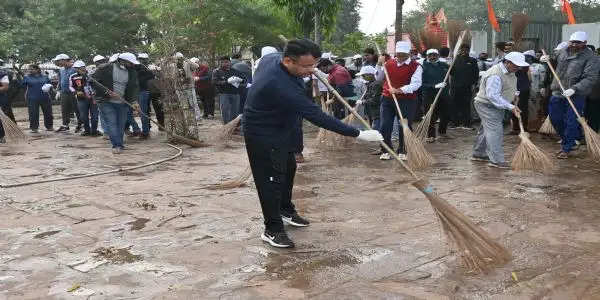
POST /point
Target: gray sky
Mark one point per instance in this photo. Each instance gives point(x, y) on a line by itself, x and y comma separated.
point(376, 15)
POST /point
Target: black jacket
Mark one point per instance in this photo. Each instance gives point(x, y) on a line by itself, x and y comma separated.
point(144, 75)
point(275, 102)
point(465, 72)
point(104, 76)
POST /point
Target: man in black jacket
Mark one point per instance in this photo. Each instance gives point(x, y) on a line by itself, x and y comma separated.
point(276, 101)
point(227, 81)
point(114, 83)
point(144, 76)
point(465, 74)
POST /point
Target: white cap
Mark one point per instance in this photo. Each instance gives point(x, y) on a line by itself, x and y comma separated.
point(61, 57)
point(357, 56)
point(326, 55)
point(130, 57)
point(78, 64)
point(113, 57)
point(561, 46)
point(580, 36)
point(433, 51)
point(98, 57)
point(403, 47)
point(516, 58)
point(178, 55)
point(529, 52)
point(267, 50)
point(367, 70)
point(195, 60)
point(143, 55)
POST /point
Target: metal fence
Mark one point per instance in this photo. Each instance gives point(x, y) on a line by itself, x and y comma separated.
point(538, 35)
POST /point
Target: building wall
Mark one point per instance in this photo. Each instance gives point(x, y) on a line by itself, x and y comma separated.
point(538, 35)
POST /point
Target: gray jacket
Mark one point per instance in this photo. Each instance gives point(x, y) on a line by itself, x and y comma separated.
point(578, 72)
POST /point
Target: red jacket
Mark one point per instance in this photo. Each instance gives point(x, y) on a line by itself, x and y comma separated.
point(204, 73)
point(399, 76)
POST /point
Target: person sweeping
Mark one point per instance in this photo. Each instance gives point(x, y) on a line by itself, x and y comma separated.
point(405, 77)
point(276, 100)
point(497, 88)
point(578, 68)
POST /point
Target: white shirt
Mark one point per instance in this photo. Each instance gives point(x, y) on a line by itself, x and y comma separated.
point(5, 80)
point(493, 90)
point(415, 80)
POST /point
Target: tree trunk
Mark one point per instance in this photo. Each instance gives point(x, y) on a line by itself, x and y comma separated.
point(317, 30)
point(398, 25)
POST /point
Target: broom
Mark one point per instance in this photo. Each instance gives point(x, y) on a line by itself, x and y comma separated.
point(547, 127)
point(430, 40)
point(173, 137)
point(479, 252)
point(591, 137)
point(518, 25)
point(423, 127)
point(237, 182)
point(418, 157)
point(223, 135)
point(528, 156)
point(455, 29)
point(12, 132)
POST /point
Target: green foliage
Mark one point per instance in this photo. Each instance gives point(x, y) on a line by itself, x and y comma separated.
point(354, 43)
point(304, 12)
point(347, 21)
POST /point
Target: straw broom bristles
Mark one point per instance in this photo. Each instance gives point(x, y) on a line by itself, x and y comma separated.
point(518, 26)
point(547, 127)
point(454, 28)
point(591, 137)
point(430, 39)
point(13, 134)
point(237, 182)
point(223, 134)
point(528, 156)
point(478, 250)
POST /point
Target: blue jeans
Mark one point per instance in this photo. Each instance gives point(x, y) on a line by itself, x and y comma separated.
point(230, 106)
point(34, 113)
point(144, 102)
point(131, 121)
point(491, 133)
point(564, 120)
point(88, 114)
point(387, 114)
point(115, 115)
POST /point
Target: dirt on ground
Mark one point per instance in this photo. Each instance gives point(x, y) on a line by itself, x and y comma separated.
point(158, 233)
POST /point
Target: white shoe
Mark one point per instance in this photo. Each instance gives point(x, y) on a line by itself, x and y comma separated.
point(385, 156)
point(403, 157)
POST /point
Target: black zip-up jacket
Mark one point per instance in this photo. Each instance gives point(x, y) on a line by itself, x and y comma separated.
point(275, 102)
point(144, 75)
point(465, 72)
point(220, 77)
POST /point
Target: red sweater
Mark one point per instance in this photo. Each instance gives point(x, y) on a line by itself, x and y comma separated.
point(399, 76)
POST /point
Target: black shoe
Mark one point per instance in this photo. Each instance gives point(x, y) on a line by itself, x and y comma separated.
point(86, 133)
point(96, 134)
point(294, 220)
point(78, 129)
point(62, 128)
point(277, 239)
point(502, 165)
point(480, 158)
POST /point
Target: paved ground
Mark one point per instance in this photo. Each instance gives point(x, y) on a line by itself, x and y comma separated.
point(155, 233)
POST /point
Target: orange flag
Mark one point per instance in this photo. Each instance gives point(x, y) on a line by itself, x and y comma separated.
point(492, 16)
point(566, 8)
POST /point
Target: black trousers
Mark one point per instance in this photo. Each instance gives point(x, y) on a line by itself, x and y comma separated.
point(592, 113)
point(7, 109)
point(68, 106)
point(207, 96)
point(273, 170)
point(158, 109)
point(524, 107)
point(462, 103)
point(298, 137)
point(441, 111)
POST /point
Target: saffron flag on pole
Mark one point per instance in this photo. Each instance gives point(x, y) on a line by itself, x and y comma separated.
point(492, 16)
point(566, 9)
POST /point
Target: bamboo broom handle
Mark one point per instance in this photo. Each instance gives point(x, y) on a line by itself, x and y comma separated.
point(387, 78)
point(561, 86)
point(365, 123)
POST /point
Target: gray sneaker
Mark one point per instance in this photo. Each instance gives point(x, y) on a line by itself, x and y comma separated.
point(502, 165)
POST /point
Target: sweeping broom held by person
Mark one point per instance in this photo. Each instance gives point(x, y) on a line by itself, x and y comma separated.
point(405, 76)
point(4, 104)
point(275, 101)
point(497, 88)
point(578, 68)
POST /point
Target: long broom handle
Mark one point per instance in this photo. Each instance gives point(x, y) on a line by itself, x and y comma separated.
point(561, 86)
point(387, 78)
point(365, 123)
